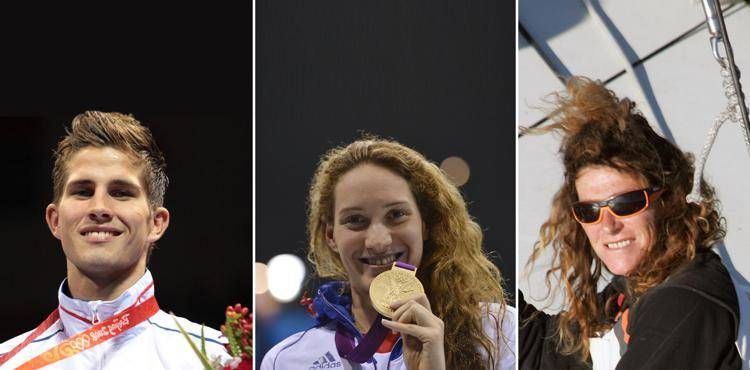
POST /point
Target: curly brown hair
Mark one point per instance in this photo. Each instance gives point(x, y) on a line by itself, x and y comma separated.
point(599, 129)
point(455, 271)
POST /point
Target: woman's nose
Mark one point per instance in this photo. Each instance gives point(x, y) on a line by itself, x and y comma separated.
point(610, 222)
point(378, 237)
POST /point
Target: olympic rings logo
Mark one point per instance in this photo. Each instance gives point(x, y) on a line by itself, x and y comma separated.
point(81, 342)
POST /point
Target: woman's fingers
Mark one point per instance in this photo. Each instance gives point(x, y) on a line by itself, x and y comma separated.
point(423, 334)
point(419, 298)
point(414, 319)
point(413, 312)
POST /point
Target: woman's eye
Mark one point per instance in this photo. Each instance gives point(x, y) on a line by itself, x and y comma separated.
point(354, 220)
point(397, 214)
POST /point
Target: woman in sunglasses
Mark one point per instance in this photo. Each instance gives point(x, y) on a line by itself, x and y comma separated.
point(670, 303)
point(376, 206)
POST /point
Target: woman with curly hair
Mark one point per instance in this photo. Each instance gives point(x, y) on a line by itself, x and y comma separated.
point(621, 215)
point(374, 204)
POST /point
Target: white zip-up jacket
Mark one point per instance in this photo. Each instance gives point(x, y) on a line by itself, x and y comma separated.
point(315, 348)
point(156, 343)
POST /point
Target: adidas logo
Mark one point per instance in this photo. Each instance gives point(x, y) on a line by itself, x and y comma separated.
point(326, 361)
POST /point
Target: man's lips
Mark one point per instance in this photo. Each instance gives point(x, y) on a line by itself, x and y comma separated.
point(99, 234)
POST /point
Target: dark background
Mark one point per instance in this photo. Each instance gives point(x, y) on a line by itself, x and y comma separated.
point(437, 76)
point(183, 69)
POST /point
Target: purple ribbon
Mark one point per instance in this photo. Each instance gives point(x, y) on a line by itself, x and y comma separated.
point(405, 265)
point(366, 348)
point(370, 342)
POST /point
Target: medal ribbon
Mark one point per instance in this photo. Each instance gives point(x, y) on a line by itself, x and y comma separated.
point(405, 266)
point(51, 319)
point(95, 335)
point(371, 341)
point(366, 348)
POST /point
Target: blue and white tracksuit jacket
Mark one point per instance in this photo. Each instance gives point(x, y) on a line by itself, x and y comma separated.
point(315, 348)
point(153, 344)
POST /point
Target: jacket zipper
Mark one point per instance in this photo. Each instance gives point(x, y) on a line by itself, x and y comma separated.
point(95, 314)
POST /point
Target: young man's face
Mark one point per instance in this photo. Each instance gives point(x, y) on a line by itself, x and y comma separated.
point(103, 218)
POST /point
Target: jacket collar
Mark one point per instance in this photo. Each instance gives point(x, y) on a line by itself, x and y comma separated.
point(77, 315)
point(333, 304)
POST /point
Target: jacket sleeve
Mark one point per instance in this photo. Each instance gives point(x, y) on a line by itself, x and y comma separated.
point(681, 328)
point(536, 346)
point(532, 326)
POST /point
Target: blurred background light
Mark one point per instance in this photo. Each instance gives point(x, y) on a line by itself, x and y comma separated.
point(285, 275)
point(261, 278)
point(457, 170)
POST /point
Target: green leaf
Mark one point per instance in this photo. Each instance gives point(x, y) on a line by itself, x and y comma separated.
point(201, 355)
point(203, 340)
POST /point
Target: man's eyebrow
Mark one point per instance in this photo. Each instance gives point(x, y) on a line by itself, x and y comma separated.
point(82, 182)
point(120, 182)
point(117, 182)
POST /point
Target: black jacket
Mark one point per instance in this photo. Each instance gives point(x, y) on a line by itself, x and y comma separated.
point(689, 321)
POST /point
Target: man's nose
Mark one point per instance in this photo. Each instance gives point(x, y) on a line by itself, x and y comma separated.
point(100, 211)
point(378, 237)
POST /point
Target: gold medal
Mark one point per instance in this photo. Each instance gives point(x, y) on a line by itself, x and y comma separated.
point(397, 283)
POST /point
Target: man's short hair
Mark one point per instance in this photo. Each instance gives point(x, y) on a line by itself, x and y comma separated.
point(122, 132)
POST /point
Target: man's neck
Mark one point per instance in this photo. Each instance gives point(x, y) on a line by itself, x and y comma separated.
point(90, 287)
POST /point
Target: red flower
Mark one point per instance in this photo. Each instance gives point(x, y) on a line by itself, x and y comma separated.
point(245, 365)
point(307, 302)
point(238, 328)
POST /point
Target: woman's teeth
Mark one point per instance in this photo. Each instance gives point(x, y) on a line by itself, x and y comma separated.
point(382, 260)
point(618, 245)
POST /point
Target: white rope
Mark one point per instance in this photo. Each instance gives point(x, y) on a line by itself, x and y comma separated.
point(731, 113)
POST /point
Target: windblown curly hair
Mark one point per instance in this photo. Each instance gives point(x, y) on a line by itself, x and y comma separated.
point(599, 129)
point(455, 271)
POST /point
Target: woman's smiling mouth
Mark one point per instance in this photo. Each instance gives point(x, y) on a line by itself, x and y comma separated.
point(619, 245)
point(381, 260)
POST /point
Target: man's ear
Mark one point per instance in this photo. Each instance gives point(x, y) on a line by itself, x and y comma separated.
point(52, 218)
point(159, 224)
point(329, 235)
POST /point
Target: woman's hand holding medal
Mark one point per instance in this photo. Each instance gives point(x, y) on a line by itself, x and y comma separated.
point(422, 333)
point(398, 294)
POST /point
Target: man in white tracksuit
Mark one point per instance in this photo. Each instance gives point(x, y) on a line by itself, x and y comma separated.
point(109, 183)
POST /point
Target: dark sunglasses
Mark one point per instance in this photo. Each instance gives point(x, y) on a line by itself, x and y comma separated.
point(623, 205)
